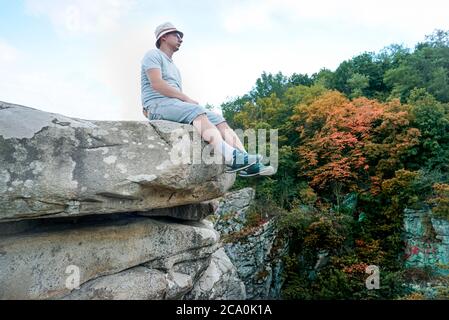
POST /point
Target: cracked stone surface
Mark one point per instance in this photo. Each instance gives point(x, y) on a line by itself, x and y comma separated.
point(220, 281)
point(55, 166)
point(426, 241)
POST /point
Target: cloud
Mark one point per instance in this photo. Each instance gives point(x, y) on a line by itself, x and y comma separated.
point(117, 67)
point(214, 73)
point(81, 16)
point(249, 15)
point(408, 15)
point(59, 90)
point(8, 53)
point(59, 93)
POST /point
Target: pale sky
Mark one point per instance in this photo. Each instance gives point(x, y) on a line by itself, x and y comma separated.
point(81, 58)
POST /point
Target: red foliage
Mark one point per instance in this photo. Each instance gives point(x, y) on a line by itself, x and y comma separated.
point(352, 142)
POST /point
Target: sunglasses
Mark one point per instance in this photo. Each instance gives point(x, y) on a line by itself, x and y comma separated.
point(177, 35)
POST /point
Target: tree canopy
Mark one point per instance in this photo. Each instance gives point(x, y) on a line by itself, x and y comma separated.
point(357, 146)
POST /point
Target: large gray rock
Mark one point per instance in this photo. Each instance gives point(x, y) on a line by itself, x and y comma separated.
point(37, 261)
point(53, 166)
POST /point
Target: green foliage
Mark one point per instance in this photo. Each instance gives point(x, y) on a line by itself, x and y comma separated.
point(300, 79)
point(440, 201)
point(432, 119)
point(269, 84)
point(438, 39)
point(363, 74)
point(232, 108)
point(324, 78)
point(400, 190)
point(427, 67)
point(357, 83)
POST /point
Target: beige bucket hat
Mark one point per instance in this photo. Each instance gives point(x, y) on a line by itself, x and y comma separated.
point(163, 29)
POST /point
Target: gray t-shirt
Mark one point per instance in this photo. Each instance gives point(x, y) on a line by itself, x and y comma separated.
point(157, 59)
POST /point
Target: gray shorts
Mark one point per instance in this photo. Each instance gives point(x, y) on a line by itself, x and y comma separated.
point(172, 109)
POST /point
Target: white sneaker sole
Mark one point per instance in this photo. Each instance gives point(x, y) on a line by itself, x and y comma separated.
point(240, 169)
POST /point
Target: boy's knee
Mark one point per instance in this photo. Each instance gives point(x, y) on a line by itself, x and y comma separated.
point(201, 117)
point(223, 125)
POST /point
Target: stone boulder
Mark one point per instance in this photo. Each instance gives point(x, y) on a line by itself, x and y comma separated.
point(55, 166)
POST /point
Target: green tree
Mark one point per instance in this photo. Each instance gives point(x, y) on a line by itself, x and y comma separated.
point(357, 83)
point(268, 84)
point(432, 119)
point(324, 78)
point(427, 67)
point(367, 64)
point(300, 79)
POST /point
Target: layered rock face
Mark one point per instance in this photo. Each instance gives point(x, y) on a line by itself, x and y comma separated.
point(255, 250)
point(427, 240)
point(427, 250)
point(88, 208)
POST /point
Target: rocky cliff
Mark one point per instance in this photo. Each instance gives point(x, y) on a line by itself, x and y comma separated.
point(100, 210)
point(427, 240)
point(427, 253)
point(252, 243)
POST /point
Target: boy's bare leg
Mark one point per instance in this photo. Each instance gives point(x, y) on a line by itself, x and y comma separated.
point(233, 157)
point(230, 136)
point(208, 131)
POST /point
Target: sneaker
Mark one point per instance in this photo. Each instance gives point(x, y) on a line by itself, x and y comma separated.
point(243, 160)
point(257, 169)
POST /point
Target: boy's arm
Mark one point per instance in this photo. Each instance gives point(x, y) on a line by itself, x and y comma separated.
point(161, 86)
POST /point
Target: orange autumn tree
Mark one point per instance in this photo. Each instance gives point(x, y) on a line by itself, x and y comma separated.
point(345, 145)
